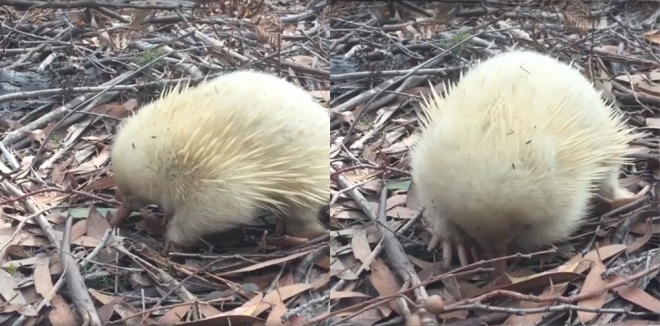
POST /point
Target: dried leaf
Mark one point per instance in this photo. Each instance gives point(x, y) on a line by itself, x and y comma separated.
point(94, 164)
point(637, 296)
point(139, 16)
point(61, 313)
point(338, 269)
point(113, 110)
point(304, 60)
point(208, 310)
point(640, 242)
point(30, 261)
point(101, 184)
point(275, 315)
point(401, 212)
point(286, 241)
point(334, 295)
point(42, 280)
point(384, 281)
point(360, 246)
point(540, 280)
point(534, 319)
point(279, 294)
point(125, 310)
point(225, 320)
point(633, 322)
point(8, 291)
point(267, 263)
point(592, 283)
point(97, 225)
point(652, 36)
point(605, 252)
point(647, 83)
point(107, 310)
point(653, 122)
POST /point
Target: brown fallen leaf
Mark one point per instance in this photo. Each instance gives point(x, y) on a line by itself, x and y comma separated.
point(653, 122)
point(151, 223)
point(8, 291)
point(286, 241)
point(113, 110)
point(636, 296)
point(42, 279)
point(541, 280)
point(275, 315)
point(592, 283)
point(106, 311)
point(208, 310)
point(643, 82)
point(360, 246)
point(633, 322)
point(384, 281)
point(641, 241)
point(400, 212)
point(30, 261)
point(61, 313)
point(101, 184)
point(96, 224)
point(420, 263)
point(140, 16)
point(396, 200)
point(641, 229)
point(304, 60)
point(368, 317)
point(570, 266)
point(78, 229)
point(335, 295)
point(534, 319)
point(235, 317)
point(321, 281)
point(125, 310)
point(652, 36)
point(235, 320)
point(267, 263)
point(604, 253)
point(339, 269)
point(277, 295)
point(323, 261)
point(102, 298)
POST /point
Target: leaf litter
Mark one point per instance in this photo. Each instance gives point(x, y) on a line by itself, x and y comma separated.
point(56, 166)
point(606, 273)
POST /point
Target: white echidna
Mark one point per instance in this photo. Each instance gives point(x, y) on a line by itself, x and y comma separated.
point(511, 155)
point(216, 155)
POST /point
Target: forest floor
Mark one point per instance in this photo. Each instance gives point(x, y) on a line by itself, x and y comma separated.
point(383, 57)
point(71, 72)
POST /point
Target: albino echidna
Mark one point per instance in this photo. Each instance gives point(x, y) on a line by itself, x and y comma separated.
point(216, 155)
point(511, 155)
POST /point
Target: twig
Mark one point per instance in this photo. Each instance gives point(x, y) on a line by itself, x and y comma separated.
point(97, 249)
point(311, 303)
point(161, 277)
point(91, 4)
point(74, 280)
point(394, 73)
point(398, 260)
point(431, 61)
point(77, 288)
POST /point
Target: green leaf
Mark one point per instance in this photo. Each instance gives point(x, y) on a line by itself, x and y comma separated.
point(398, 185)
